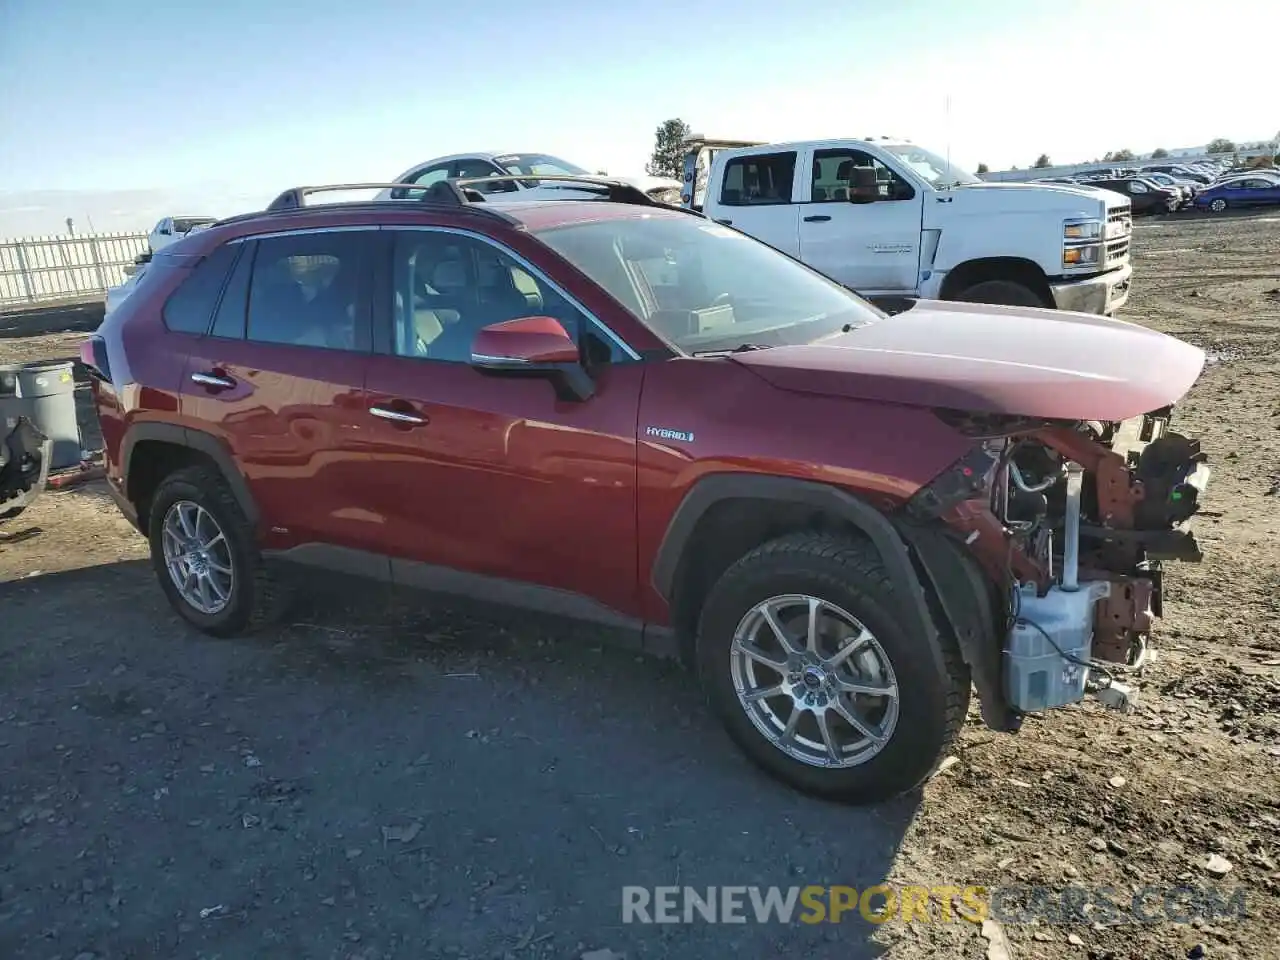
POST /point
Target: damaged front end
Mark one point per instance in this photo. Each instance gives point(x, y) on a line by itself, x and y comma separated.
point(24, 466)
point(1072, 522)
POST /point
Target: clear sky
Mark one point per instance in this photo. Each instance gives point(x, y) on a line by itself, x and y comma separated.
point(197, 107)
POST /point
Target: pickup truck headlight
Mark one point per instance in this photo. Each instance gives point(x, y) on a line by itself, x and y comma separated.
point(1081, 255)
point(1082, 230)
point(1081, 243)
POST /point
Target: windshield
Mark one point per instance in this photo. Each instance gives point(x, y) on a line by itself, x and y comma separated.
point(706, 288)
point(187, 224)
point(929, 165)
point(538, 163)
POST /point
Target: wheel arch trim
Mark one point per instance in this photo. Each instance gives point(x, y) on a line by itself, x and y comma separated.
point(716, 488)
point(205, 443)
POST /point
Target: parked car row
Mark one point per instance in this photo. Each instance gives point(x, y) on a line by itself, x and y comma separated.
point(592, 403)
point(1214, 186)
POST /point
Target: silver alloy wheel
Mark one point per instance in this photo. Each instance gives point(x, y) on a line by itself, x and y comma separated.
point(815, 682)
point(1218, 205)
point(197, 556)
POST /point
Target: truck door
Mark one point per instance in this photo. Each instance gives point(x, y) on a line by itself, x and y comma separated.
point(756, 194)
point(860, 222)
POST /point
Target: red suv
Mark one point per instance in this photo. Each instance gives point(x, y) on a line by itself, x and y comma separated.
point(628, 413)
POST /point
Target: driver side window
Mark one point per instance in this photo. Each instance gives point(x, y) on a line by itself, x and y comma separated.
point(840, 173)
point(447, 286)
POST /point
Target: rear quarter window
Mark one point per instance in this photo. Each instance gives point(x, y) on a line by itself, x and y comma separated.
point(189, 308)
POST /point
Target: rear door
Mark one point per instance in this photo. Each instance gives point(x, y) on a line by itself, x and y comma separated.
point(756, 194)
point(1258, 192)
point(872, 247)
point(280, 379)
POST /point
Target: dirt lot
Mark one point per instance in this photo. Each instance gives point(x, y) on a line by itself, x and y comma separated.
point(387, 778)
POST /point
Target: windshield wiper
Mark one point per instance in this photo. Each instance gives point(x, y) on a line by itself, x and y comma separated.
point(740, 348)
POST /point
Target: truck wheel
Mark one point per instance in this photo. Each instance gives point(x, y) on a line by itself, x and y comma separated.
point(803, 655)
point(204, 554)
point(1005, 292)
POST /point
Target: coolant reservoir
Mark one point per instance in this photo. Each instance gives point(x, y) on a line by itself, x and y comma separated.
point(1036, 674)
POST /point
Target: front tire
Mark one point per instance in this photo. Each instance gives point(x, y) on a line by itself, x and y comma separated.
point(802, 654)
point(205, 557)
point(1004, 292)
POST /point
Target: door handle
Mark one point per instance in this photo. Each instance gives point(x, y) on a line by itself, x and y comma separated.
point(817, 218)
point(725, 220)
point(398, 416)
point(213, 381)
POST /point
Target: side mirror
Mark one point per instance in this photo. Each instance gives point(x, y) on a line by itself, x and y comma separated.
point(533, 347)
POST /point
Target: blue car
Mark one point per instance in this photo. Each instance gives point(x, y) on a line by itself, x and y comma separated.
point(1245, 192)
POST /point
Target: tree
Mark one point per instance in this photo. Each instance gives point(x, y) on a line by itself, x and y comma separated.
point(668, 150)
point(983, 168)
point(602, 173)
point(1221, 145)
point(1159, 153)
point(1108, 156)
point(1125, 154)
point(1042, 161)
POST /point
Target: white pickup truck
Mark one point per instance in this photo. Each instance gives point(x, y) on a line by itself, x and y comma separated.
point(890, 219)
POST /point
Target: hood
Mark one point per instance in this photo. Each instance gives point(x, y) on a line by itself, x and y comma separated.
point(1015, 188)
point(991, 359)
point(1061, 199)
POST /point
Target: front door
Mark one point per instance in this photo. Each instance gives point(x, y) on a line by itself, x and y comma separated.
point(872, 247)
point(280, 379)
point(488, 474)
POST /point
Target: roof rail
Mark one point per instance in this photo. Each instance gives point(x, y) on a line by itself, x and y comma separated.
point(441, 192)
point(615, 191)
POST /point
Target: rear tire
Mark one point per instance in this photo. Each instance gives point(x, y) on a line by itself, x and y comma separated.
point(253, 596)
point(1218, 205)
point(1003, 292)
point(929, 679)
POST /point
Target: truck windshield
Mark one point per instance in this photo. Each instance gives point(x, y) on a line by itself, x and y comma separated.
point(929, 165)
point(706, 288)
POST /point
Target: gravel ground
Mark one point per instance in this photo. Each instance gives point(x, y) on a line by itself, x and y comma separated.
point(387, 777)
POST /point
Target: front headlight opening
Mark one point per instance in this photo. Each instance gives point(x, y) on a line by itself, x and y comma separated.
point(1082, 230)
point(1081, 255)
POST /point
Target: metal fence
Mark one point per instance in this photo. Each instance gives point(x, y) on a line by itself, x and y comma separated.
point(36, 270)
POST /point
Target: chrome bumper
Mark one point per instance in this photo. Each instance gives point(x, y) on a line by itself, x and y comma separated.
point(1104, 294)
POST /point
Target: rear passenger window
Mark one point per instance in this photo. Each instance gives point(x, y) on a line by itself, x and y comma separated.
point(759, 179)
point(311, 290)
point(189, 309)
point(229, 320)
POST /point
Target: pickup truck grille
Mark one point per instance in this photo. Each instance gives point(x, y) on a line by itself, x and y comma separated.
point(1117, 250)
point(1119, 227)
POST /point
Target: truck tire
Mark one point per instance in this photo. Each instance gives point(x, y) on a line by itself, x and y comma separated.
point(1005, 292)
point(859, 709)
point(199, 533)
